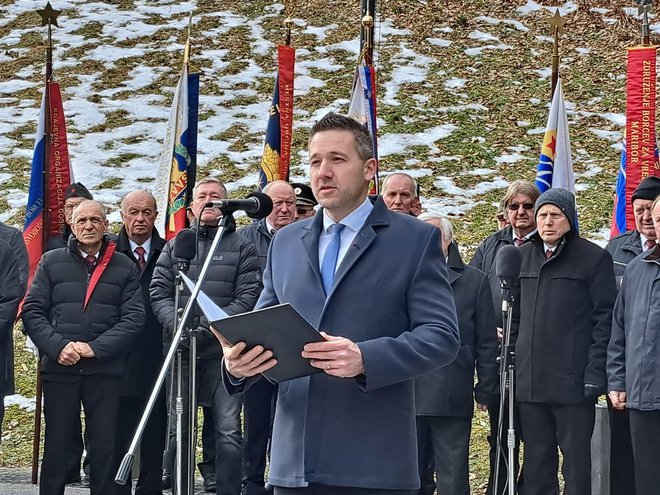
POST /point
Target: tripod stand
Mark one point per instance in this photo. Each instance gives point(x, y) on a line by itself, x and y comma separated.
point(507, 388)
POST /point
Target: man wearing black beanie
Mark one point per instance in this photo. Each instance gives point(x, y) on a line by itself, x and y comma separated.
point(567, 291)
point(624, 248)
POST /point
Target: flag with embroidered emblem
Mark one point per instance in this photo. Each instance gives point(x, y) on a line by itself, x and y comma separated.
point(276, 158)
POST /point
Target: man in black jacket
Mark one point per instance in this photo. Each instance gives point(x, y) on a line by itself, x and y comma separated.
point(233, 282)
point(13, 273)
point(444, 397)
point(259, 400)
point(518, 203)
point(140, 241)
point(83, 312)
point(567, 292)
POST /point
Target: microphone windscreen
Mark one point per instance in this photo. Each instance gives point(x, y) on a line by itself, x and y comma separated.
point(265, 205)
point(507, 264)
point(184, 245)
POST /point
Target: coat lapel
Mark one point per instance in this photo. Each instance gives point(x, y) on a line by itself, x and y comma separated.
point(364, 238)
point(310, 240)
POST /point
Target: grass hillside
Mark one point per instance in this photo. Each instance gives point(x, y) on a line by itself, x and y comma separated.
point(463, 92)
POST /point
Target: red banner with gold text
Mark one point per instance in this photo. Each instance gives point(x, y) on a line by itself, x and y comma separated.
point(58, 171)
point(286, 57)
point(640, 121)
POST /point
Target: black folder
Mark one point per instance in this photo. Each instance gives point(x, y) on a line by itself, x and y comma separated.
point(280, 329)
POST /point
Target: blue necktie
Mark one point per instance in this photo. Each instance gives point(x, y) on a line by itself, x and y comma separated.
point(330, 258)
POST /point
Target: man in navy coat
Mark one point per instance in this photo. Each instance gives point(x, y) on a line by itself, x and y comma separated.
point(375, 283)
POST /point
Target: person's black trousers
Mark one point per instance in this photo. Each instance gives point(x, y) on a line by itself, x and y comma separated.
point(99, 395)
point(622, 466)
point(546, 427)
point(645, 435)
point(258, 406)
point(449, 438)
point(152, 443)
point(493, 419)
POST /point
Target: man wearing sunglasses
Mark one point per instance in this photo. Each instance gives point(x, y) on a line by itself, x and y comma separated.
point(305, 201)
point(518, 205)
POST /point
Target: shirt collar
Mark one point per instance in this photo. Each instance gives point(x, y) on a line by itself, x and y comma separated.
point(270, 228)
point(146, 246)
point(354, 220)
point(84, 254)
point(524, 239)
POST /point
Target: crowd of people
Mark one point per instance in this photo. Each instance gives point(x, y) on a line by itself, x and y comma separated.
point(389, 411)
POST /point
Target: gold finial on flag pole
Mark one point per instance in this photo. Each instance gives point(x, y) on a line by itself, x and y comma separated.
point(288, 24)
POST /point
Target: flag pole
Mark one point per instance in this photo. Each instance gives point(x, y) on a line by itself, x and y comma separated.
point(367, 31)
point(645, 7)
point(557, 25)
point(186, 48)
point(48, 18)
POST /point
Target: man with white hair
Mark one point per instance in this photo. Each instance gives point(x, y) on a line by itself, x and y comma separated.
point(444, 397)
point(400, 193)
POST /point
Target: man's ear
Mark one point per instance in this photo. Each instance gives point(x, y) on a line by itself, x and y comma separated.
point(370, 169)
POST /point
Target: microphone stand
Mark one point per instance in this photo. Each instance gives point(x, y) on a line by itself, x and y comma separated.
point(507, 376)
point(127, 462)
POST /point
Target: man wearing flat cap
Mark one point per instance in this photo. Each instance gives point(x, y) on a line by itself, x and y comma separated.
point(567, 291)
point(74, 194)
point(305, 201)
point(624, 248)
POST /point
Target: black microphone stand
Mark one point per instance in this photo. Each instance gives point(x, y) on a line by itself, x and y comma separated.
point(507, 376)
point(127, 462)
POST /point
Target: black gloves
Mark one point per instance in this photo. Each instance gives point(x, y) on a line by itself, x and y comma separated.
point(592, 391)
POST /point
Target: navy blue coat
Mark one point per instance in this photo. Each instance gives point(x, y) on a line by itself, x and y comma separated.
point(392, 298)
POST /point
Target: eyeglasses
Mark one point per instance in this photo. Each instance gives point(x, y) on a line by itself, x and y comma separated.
point(516, 206)
point(303, 210)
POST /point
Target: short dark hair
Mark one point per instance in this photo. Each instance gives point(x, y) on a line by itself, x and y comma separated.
point(336, 122)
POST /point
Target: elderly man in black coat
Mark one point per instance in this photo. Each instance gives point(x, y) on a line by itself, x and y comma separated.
point(444, 400)
point(518, 205)
point(84, 311)
point(13, 273)
point(567, 292)
point(139, 240)
point(233, 282)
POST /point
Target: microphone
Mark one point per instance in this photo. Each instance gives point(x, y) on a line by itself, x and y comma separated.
point(255, 205)
point(507, 269)
point(185, 248)
point(507, 266)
